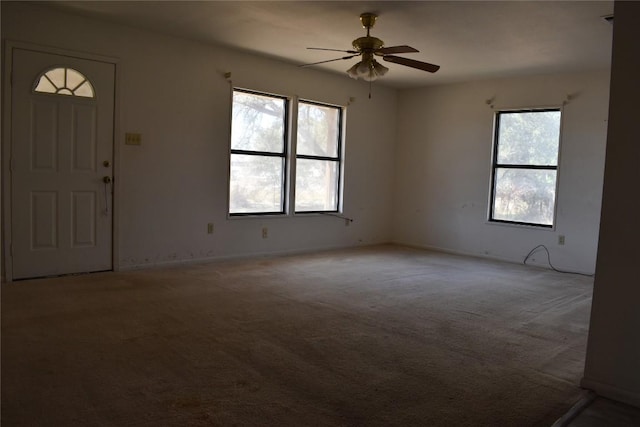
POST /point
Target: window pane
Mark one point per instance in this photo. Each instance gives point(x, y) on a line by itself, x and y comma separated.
point(57, 77)
point(85, 89)
point(258, 123)
point(318, 130)
point(256, 184)
point(524, 195)
point(316, 185)
point(74, 78)
point(45, 86)
point(528, 138)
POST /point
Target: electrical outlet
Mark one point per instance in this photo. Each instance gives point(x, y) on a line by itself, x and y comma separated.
point(265, 232)
point(346, 222)
point(561, 239)
point(210, 228)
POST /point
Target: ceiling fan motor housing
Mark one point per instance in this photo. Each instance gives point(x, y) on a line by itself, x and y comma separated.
point(367, 44)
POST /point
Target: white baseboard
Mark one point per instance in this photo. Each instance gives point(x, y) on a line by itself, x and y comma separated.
point(612, 392)
point(215, 258)
point(168, 263)
point(456, 252)
point(485, 256)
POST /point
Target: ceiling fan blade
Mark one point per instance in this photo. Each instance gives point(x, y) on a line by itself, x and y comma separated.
point(395, 49)
point(329, 60)
point(336, 50)
point(425, 66)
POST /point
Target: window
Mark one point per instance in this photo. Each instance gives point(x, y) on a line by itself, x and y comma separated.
point(64, 81)
point(318, 157)
point(261, 164)
point(258, 154)
point(525, 167)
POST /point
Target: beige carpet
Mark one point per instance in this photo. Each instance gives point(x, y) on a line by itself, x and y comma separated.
point(378, 336)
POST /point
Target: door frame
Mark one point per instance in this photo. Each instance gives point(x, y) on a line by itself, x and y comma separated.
point(10, 46)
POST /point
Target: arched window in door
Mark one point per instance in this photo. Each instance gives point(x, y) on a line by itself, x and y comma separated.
point(64, 81)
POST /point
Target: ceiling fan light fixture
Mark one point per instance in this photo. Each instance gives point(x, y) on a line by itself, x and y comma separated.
point(352, 72)
point(380, 69)
point(368, 70)
point(362, 68)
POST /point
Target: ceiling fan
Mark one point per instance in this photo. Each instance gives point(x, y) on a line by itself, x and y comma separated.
point(368, 47)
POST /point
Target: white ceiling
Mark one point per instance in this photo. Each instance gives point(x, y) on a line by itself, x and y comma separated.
point(469, 40)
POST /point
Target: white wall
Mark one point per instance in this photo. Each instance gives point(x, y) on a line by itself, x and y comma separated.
point(443, 164)
point(173, 92)
point(418, 161)
point(612, 366)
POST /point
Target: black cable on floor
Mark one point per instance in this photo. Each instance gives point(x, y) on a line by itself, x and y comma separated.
point(549, 261)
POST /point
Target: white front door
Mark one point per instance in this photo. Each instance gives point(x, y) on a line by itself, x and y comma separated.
point(61, 159)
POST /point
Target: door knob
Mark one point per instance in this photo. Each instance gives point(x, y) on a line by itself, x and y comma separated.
point(106, 163)
point(106, 179)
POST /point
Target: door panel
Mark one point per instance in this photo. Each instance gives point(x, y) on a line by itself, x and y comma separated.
point(60, 217)
point(44, 227)
point(44, 136)
point(84, 138)
point(82, 221)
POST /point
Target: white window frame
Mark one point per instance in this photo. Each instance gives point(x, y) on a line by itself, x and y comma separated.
point(495, 166)
point(284, 156)
point(338, 158)
point(290, 156)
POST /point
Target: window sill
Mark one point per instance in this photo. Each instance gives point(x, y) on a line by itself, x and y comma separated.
point(257, 215)
point(536, 227)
